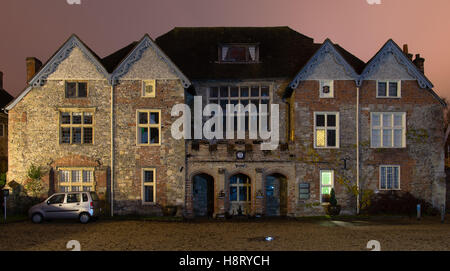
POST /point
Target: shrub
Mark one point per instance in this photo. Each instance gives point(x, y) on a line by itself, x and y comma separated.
point(34, 183)
point(333, 201)
point(398, 203)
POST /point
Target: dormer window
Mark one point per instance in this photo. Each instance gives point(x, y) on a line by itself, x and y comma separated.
point(239, 53)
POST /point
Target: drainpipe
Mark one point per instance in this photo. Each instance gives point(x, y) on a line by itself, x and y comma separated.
point(112, 148)
point(357, 149)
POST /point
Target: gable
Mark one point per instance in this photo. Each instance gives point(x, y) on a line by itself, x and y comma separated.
point(148, 61)
point(391, 63)
point(327, 63)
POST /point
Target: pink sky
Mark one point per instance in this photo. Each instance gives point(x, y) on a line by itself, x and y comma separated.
point(38, 28)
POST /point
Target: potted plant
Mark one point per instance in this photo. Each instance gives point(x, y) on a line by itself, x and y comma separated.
point(332, 208)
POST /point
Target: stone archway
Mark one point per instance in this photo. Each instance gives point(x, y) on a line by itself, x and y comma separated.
point(276, 194)
point(203, 194)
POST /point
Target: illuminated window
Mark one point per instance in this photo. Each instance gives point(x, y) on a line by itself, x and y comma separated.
point(388, 89)
point(326, 130)
point(239, 53)
point(388, 130)
point(149, 127)
point(76, 89)
point(326, 184)
point(76, 179)
point(76, 127)
point(389, 177)
point(149, 88)
point(149, 185)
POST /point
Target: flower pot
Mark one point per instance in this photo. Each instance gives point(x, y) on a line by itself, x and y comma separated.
point(333, 210)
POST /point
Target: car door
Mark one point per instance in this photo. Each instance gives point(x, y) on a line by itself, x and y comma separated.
point(54, 207)
point(72, 206)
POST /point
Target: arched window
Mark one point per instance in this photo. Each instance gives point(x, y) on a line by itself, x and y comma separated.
point(240, 188)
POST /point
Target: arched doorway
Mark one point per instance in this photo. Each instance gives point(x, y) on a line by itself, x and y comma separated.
point(276, 195)
point(240, 194)
point(203, 195)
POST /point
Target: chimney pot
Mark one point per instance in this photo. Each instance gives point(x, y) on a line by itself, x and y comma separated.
point(33, 66)
point(420, 63)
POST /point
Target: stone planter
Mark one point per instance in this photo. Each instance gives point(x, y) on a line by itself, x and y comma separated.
point(332, 210)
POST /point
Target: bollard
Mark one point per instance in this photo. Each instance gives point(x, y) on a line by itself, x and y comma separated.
point(442, 213)
point(418, 211)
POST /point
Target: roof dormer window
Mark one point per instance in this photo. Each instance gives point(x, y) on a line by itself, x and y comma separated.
point(238, 53)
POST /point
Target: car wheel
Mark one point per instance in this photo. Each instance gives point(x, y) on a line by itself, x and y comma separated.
point(84, 218)
point(37, 218)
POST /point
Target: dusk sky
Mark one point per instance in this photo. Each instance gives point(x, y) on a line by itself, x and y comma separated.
point(38, 28)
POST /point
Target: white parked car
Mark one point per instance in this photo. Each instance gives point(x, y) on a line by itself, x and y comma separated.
point(69, 205)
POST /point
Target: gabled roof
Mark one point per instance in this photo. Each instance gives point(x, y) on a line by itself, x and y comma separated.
point(111, 61)
point(195, 50)
point(61, 54)
point(136, 53)
point(390, 47)
point(326, 48)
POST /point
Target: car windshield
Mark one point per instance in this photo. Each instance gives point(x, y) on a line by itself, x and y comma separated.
point(94, 196)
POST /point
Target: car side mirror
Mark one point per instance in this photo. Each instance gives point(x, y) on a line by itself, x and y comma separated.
point(48, 202)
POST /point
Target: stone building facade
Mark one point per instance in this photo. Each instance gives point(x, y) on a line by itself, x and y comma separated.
point(104, 124)
point(5, 98)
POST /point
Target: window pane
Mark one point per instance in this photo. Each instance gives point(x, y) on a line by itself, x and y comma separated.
point(326, 190)
point(320, 120)
point(143, 135)
point(154, 135)
point(237, 54)
point(148, 176)
point(76, 189)
point(398, 138)
point(233, 193)
point(320, 138)
point(143, 118)
point(389, 177)
point(255, 91)
point(393, 89)
point(71, 88)
point(65, 135)
point(76, 176)
point(88, 176)
point(154, 117)
point(375, 119)
point(387, 138)
point(243, 193)
point(214, 91)
point(76, 135)
point(265, 91)
point(86, 189)
point(76, 118)
point(331, 120)
point(376, 138)
point(233, 180)
point(331, 138)
point(87, 135)
point(224, 92)
point(82, 89)
point(65, 118)
point(73, 198)
point(387, 120)
point(64, 176)
point(87, 118)
point(396, 178)
point(148, 193)
point(244, 91)
point(382, 89)
point(326, 178)
point(383, 178)
point(398, 120)
point(234, 91)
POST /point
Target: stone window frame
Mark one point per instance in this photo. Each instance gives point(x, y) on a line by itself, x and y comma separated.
point(398, 167)
point(152, 184)
point(323, 83)
point(143, 92)
point(238, 98)
point(399, 89)
point(326, 128)
point(81, 183)
point(77, 82)
point(148, 125)
point(393, 127)
point(82, 125)
point(2, 130)
point(321, 185)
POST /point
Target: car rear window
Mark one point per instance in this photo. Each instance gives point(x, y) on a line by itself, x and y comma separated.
point(85, 197)
point(94, 196)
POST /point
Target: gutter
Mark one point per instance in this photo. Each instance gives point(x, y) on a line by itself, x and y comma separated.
point(112, 150)
point(357, 151)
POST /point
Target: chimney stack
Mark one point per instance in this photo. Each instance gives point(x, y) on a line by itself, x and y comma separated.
point(406, 52)
point(33, 65)
point(419, 62)
point(1, 80)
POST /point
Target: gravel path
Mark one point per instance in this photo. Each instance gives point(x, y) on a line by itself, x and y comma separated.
point(309, 234)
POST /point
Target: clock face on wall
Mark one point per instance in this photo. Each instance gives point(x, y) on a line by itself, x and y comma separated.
point(240, 155)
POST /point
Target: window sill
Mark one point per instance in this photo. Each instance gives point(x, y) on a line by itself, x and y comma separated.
point(382, 97)
point(148, 145)
point(149, 203)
